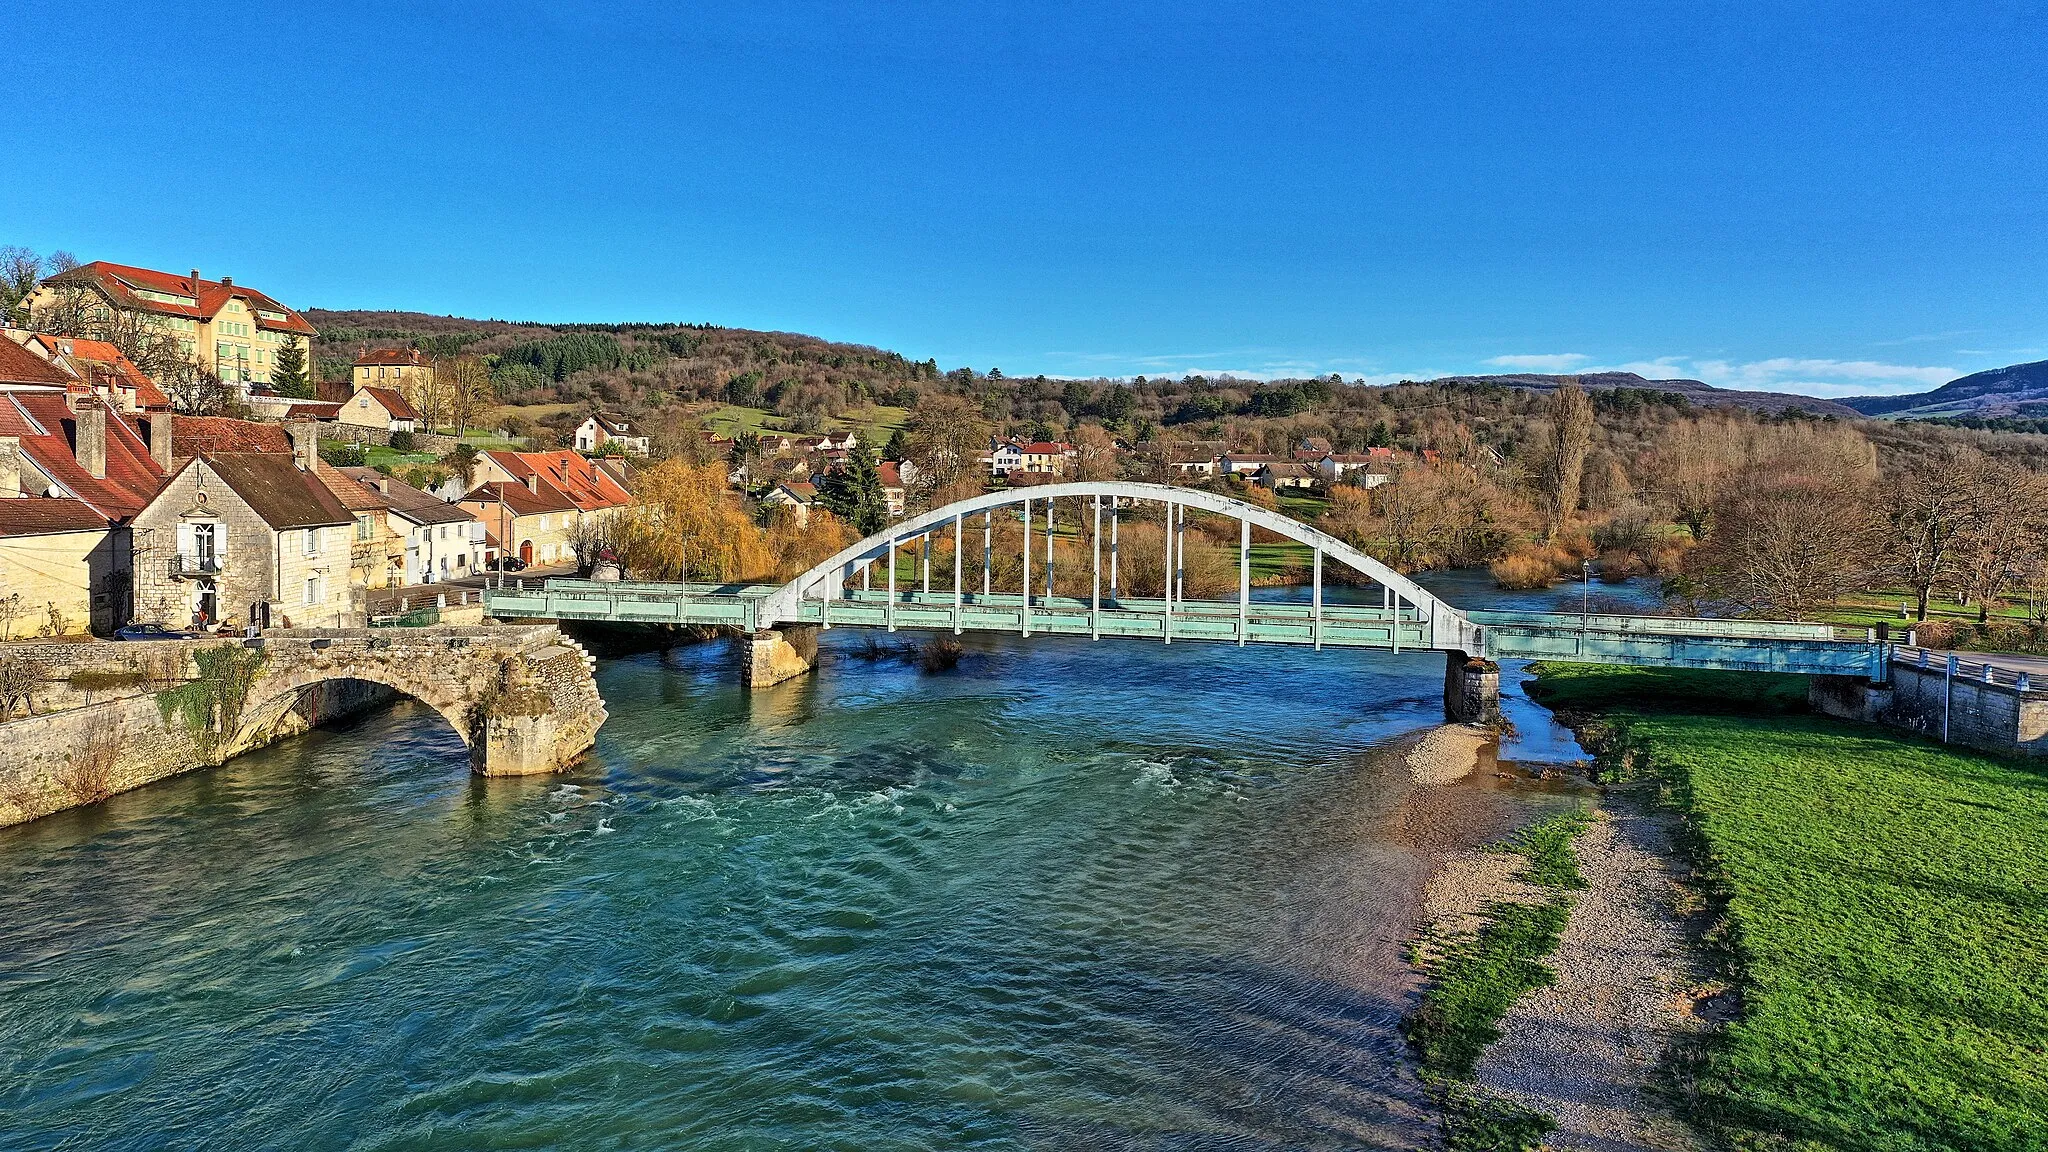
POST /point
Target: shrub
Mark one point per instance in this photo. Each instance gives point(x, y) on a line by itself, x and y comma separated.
point(401, 441)
point(1522, 571)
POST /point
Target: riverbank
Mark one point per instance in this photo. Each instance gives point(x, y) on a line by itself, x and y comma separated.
point(1873, 902)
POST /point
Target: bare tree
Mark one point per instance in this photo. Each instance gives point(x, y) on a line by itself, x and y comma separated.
point(946, 436)
point(1571, 431)
point(1931, 505)
point(468, 388)
point(198, 392)
point(2006, 541)
point(145, 339)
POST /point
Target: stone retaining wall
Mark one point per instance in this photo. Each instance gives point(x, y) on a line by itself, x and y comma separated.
point(1989, 717)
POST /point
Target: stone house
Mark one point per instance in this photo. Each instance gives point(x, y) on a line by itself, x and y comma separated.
point(386, 408)
point(1286, 474)
point(400, 370)
point(243, 538)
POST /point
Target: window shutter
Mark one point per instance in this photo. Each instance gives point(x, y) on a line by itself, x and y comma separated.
point(220, 539)
point(185, 545)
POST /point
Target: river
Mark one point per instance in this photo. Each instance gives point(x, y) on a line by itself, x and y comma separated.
point(1068, 895)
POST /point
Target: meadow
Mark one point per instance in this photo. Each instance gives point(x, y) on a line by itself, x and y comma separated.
point(1880, 902)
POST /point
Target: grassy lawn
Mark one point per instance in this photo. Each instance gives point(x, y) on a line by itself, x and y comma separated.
point(876, 421)
point(1886, 916)
point(1283, 557)
point(1300, 505)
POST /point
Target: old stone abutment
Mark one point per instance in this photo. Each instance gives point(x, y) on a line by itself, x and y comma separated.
point(87, 720)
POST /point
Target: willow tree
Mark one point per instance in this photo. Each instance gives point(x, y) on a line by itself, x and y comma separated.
point(689, 525)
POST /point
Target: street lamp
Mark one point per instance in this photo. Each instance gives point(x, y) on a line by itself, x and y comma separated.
point(1586, 596)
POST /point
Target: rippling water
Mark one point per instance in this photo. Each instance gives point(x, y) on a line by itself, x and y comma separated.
point(1070, 895)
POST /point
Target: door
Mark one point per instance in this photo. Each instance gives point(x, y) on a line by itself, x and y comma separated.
point(526, 551)
point(208, 604)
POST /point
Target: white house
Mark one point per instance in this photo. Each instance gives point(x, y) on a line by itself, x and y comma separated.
point(598, 430)
point(1007, 456)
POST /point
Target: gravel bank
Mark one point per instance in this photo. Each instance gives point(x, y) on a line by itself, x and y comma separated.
point(1584, 1049)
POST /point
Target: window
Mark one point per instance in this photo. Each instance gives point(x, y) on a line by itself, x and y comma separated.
point(311, 538)
point(363, 526)
point(312, 592)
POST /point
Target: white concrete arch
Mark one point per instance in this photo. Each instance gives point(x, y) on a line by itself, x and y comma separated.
point(1449, 628)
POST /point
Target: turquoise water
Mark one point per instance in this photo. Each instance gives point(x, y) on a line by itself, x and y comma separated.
point(1069, 895)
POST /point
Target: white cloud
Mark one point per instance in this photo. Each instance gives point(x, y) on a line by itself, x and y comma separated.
point(1806, 377)
point(1541, 362)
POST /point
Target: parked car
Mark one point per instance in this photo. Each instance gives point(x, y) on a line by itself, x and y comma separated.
point(510, 564)
point(152, 632)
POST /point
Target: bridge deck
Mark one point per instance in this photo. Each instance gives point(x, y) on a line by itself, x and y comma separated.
point(1644, 640)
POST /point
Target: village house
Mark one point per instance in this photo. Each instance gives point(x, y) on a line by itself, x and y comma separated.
point(530, 522)
point(796, 495)
point(598, 431)
point(438, 541)
point(63, 569)
point(99, 367)
point(232, 331)
point(1368, 469)
point(1310, 449)
point(374, 406)
point(894, 492)
point(1286, 474)
point(1007, 456)
point(1245, 463)
point(246, 538)
point(74, 471)
point(403, 370)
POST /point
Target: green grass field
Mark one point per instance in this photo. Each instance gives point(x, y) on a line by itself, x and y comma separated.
point(877, 420)
point(1886, 916)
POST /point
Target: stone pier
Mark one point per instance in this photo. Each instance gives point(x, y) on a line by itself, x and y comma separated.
point(1471, 689)
point(773, 655)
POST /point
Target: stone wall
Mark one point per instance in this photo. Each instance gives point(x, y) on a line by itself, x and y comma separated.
point(1988, 717)
point(357, 434)
point(83, 755)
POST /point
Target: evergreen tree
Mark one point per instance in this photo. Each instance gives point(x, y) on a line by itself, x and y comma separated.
point(854, 493)
point(1381, 437)
point(897, 446)
point(289, 375)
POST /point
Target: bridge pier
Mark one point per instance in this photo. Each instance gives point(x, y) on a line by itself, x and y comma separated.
point(773, 655)
point(1471, 689)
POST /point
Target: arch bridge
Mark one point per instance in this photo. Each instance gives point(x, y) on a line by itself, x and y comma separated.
point(865, 585)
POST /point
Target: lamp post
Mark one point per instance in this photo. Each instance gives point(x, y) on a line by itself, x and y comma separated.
point(1586, 596)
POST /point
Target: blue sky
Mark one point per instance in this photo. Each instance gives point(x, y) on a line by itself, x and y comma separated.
point(1830, 199)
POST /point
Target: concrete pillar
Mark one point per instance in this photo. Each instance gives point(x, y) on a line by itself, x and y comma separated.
point(1471, 689)
point(773, 655)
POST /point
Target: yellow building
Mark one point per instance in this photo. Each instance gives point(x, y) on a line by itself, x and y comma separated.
point(406, 371)
point(223, 327)
point(63, 569)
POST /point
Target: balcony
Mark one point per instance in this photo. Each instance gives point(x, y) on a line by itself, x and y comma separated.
point(190, 566)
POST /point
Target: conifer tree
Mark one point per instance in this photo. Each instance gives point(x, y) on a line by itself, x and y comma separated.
point(289, 375)
point(854, 493)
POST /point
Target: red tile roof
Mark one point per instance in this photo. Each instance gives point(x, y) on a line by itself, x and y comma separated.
point(891, 476)
point(371, 357)
point(521, 500)
point(194, 435)
point(313, 410)
point(394, 403)
point(18, 365)
point(276, 490)
point(103, 363)
point(45, 425)
point(34, 516)
point(573, 475)
point(120, 281)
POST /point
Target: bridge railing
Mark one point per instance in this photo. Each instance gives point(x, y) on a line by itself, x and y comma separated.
point(1982, 671)
point(1672, 625)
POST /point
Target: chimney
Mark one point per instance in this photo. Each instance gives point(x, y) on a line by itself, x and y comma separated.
point(384, 485)
point(305, 440)
point(195, 281)
point(533, 481)
point(227, 281)
point(10, 466)
point(156, 430)
point(89, 436)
